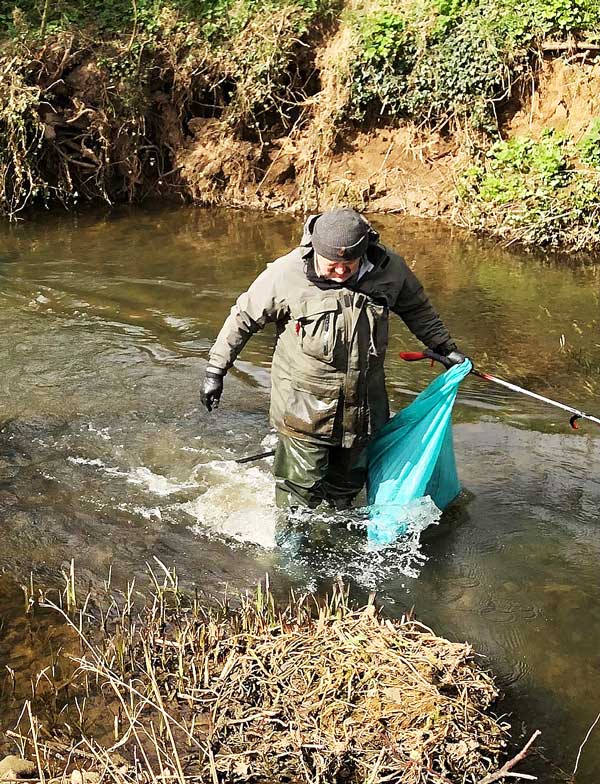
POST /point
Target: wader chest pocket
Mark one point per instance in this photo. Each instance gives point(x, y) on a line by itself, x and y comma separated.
point(316, 328)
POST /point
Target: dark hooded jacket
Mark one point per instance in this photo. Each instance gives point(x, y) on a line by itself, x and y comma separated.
point(328, 381)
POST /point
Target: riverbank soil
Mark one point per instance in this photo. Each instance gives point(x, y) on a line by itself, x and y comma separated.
point(482, 114)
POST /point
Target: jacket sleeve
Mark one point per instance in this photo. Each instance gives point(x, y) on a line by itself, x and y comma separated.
point(262, 303)
point(417, 312)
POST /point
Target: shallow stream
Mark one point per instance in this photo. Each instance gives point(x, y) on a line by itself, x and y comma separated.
point(106, 456)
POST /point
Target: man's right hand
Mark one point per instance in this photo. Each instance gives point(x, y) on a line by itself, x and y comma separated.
point(211, 391)
point(456, 357)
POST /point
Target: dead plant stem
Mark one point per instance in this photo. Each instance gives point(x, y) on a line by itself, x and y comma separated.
point(34, 733)
point(504, 770)
point(585, 740)
point(44, 21)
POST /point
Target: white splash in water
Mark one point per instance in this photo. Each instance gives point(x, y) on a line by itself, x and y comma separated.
point(155, 483)
point(238, 502)
point(178, 323)
point(269, 441)
point(95, 463)
point(39, 300)
point(148, 512)
point(103, 432)
point(329, 544)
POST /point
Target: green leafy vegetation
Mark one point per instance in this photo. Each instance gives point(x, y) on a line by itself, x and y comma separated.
point(96, 97)
point(589, 146)
point(385, 56)
point(537, 191)
point(425, 60)
point(456, 64)
point(438, 60)
point(215, 19)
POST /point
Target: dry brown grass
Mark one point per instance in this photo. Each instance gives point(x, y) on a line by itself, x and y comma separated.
point(313, 692)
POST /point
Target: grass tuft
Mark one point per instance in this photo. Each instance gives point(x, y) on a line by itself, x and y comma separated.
point(315, 691)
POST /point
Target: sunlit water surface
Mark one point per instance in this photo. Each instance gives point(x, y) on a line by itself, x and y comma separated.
point(106, 456)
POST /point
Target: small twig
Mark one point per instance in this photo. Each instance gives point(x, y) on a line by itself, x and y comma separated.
point(44, 19)
point(569, 46)
point(585, 740)
point(34, 740)
point(504, 770)
point(135, 25)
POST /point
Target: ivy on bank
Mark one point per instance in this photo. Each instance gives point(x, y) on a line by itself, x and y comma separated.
point(439, 60)
point(427, 61)
point(541, 192)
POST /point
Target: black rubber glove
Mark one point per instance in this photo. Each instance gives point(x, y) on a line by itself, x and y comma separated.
point(456, 357)
point(212, 389)
point(450, 351)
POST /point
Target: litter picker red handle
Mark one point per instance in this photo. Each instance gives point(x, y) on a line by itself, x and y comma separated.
point(413, 356)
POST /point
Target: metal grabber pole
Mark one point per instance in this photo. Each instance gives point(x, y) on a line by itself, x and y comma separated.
point(251, 458)
point(412, 356)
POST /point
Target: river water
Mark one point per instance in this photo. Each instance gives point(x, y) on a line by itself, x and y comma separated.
point(106, 456)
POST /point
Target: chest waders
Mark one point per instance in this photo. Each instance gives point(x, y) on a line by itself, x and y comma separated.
point(308, 474)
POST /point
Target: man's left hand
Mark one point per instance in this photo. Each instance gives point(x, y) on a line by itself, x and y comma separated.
point(211, 390)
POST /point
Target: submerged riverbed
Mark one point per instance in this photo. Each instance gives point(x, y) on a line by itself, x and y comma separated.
point(106, 456)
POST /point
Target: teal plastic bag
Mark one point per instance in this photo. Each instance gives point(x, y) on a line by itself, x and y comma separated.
point(413, 457)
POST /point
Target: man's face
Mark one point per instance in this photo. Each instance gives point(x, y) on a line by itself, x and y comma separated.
point(338, 270)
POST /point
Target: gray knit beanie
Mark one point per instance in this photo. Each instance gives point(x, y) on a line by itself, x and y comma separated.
point(340, 234)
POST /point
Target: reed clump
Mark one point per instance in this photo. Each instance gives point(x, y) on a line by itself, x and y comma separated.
point(313, 692)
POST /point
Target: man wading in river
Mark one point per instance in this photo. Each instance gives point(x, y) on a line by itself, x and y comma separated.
point(330, 299)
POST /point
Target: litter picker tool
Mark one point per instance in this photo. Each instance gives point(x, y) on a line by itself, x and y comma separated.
point(412, 356)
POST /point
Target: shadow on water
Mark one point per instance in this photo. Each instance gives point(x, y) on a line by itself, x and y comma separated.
point(106, 457)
